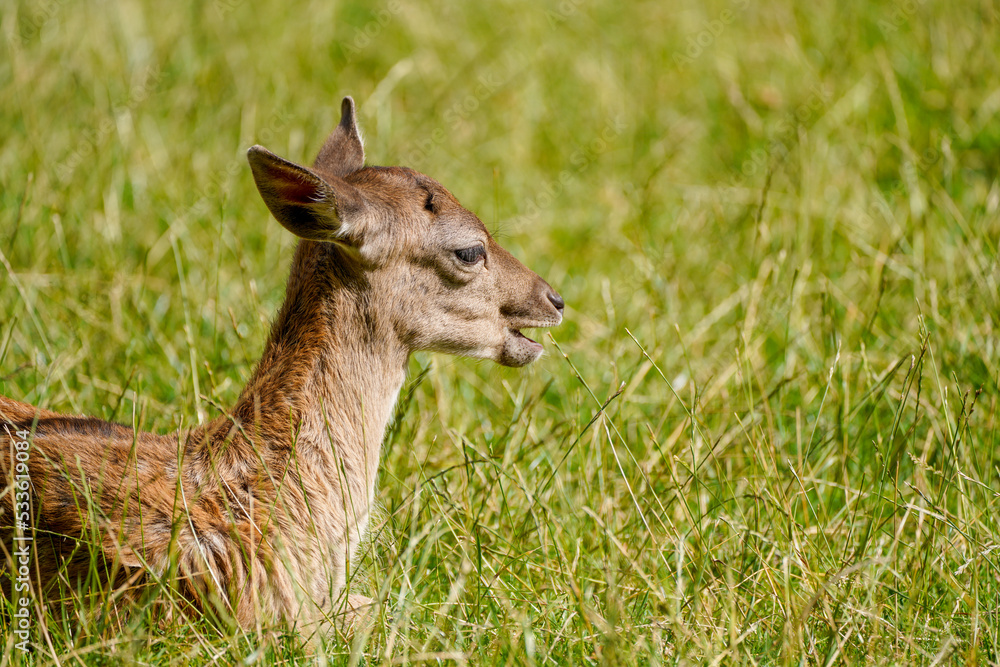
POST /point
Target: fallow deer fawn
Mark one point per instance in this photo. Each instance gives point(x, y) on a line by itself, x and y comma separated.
point(261, 509)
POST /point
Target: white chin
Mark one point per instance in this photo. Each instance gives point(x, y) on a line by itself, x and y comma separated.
point(518, 349)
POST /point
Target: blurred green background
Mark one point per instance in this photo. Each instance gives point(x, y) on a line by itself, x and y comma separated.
point(775, 226)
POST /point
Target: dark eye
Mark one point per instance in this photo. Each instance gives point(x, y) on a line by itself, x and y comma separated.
point(471, 255)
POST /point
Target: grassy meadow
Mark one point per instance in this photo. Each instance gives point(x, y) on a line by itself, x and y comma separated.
point(767, 432)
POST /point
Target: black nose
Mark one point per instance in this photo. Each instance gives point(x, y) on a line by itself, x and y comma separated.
point(556, 301)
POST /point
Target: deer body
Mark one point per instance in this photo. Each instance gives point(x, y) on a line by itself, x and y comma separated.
point(261, 509)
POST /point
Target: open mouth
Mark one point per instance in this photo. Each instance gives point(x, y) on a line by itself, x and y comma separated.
point(520, 336)
point(519, 350)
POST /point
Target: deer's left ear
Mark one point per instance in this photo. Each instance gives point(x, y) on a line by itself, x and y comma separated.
point(308, 205)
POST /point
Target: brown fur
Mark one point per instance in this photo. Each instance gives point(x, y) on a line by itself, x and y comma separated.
point(262, 508)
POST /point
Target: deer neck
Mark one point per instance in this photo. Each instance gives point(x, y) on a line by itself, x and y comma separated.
point(332, 368)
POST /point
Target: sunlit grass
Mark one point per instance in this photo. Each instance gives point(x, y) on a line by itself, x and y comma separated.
point(767, 432)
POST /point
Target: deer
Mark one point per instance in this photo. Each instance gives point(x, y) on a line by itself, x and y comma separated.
point(258, 513)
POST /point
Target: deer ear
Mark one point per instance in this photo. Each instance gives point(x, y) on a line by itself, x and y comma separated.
point(306, 204)
point(344, 152)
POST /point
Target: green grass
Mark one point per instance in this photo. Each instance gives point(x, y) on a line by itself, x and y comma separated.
point(766, 434)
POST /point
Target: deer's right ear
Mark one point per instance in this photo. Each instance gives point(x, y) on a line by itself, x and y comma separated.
point(306, 204)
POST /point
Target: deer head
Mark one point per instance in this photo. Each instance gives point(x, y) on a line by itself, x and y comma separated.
point(428, 267)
